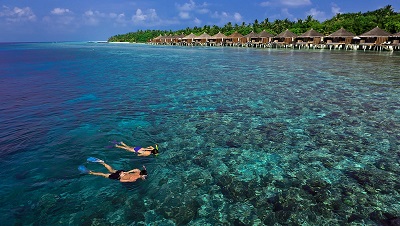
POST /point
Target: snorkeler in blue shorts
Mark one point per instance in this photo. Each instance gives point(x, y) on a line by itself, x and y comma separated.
point(140, 150)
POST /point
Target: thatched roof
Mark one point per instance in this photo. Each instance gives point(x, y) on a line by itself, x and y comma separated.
point(191, 36)
point(264, 34)
point(396, 35)
point(341, 33)
point(158, 37)
point(286, 34)
point(376, 32)
point(310, 34)
point(219, 36)
point(164, 37)
point(251, 35)
point(235, 35)
point(181, 36)
point(203, 36)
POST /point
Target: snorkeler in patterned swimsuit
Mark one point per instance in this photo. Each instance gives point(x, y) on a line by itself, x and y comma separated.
point(140, 150)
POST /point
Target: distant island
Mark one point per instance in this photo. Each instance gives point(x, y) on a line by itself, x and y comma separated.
point(358, 23)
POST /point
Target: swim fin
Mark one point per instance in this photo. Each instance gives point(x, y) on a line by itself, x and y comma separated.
point(93, 159)
point(83, 169)
point(114, 142)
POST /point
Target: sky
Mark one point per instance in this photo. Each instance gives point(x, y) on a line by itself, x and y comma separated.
point(97, 20)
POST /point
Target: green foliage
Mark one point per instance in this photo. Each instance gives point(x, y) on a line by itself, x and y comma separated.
point(358, 23)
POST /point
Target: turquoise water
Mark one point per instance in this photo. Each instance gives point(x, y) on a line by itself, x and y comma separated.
point(247, 136)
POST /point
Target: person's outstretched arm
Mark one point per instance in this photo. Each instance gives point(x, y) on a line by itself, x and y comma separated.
point(134, 171)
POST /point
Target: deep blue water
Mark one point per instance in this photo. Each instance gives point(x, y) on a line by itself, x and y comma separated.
point(247, 136)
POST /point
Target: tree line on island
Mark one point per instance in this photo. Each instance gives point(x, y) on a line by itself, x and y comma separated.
point(357, 23)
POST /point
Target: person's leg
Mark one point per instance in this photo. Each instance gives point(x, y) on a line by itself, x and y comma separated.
point(123, 144)
point(108, 167)
point(122, 147)
point(125, 148)
point(99, 174)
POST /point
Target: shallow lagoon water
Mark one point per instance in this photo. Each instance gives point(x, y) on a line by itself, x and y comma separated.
point(247, 136)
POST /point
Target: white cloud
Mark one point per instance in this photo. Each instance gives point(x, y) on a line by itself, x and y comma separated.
point(187, 10)
point(17, 14)
point(225, 17)
point(191, 5)
point(319, 15)
point(285, 12)
point(139, 16)
point(119, 19)
point(148, 16)
point(152, 14)
point(265, 4)
point(197, 21)
point(289, 3)
point(184, 15)
point(116, 16)
point(93, 18)
point(335, 9)
point(60, 11)
point(203, 11)
point(61, 17)
point(296, 2)
point(238, 17)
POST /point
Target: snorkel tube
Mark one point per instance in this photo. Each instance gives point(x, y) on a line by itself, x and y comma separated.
point(143, 173)
point(155, 151)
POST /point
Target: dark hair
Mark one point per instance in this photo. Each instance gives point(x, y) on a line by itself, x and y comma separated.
point(155, 150)
point(143, 172)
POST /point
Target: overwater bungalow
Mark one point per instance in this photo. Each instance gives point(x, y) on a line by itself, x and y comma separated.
point(188, 40)
point(218, 39)
point(284, 39)
point(393, 42)
point(156, 40)
point(310, 38)
point(252, 39)
point(265, 38)
point(202, 39)
point(168, 39)
point(177, 39)
point(374, 38)
point(339, 39)
point(163, 40)
point(235, 39)
point(171, 39)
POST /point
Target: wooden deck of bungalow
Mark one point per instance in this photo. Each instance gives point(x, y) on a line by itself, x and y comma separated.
point(282, 43)
point(391, 46)
point(335, 45)
point(313, 44)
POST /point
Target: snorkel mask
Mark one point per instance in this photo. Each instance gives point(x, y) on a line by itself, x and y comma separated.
point(155, 151)
point(143, 173)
